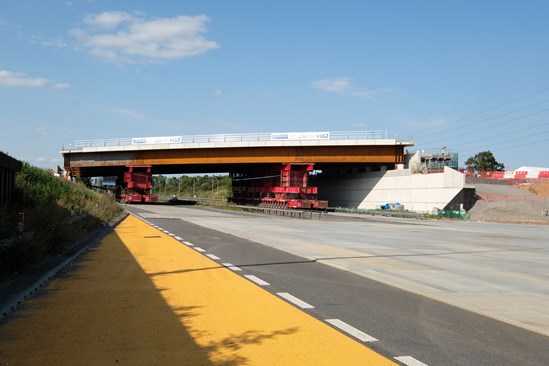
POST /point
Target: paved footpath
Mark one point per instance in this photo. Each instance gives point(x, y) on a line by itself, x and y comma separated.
point(142, 297)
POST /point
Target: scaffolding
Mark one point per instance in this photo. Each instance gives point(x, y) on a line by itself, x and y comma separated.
point(434, 161)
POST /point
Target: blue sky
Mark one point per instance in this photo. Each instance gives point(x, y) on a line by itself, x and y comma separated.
point(469, 75)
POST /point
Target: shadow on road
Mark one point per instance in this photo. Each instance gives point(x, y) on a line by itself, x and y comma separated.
point(107, 310)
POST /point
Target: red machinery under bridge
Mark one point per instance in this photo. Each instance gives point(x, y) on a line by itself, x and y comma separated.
point(137, 185)
point(286, 187)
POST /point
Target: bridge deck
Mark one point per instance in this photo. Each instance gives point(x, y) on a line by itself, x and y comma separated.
point(181, 154)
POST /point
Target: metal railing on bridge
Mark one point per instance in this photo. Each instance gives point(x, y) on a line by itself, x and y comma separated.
point(243, 137)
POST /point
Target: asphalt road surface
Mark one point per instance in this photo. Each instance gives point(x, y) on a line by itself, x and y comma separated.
point(188, 285)
point(491, 280)
point(143, 297)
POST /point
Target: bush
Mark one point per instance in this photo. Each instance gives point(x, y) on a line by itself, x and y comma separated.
point(57, 213)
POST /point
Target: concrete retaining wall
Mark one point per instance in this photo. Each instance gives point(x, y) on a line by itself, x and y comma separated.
point(417, 192)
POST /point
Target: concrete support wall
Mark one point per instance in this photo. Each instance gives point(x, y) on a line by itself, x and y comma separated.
point(417, 192)
point(8, 168)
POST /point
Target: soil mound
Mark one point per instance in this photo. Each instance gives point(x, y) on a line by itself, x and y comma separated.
point(524, 203)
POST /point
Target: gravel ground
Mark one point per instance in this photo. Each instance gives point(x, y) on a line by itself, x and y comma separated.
point(502, 203)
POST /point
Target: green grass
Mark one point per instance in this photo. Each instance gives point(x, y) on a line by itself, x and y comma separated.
point(57, 214)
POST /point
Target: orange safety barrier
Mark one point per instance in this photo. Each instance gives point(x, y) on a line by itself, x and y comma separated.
point(520, 175)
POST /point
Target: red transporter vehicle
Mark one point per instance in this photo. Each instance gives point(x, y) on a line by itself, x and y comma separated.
point(288, 189)
point(137, 185)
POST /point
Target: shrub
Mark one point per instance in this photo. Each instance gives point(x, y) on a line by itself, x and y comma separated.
point(57, 213)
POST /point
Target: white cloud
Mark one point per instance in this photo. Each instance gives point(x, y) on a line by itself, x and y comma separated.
point(217, 92)
point(60, 86)
point(20, 80)
point(33, 38)
point(125, 38)
point(334, 84)
point(48, 41)
point(342, 85)
point(38, 38)
point(108, 19)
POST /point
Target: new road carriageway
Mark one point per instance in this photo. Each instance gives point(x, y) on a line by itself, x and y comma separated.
point(186, 285)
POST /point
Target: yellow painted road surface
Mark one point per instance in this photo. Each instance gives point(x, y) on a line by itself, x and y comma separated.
point(143, 298)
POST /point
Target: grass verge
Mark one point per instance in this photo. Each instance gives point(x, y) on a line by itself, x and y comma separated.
point(57, 213)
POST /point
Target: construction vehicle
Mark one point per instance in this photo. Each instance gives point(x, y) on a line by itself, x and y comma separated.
point(137, 185)
point(282, 187)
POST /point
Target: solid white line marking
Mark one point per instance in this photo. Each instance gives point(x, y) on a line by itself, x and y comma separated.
point(302, 304)
point(231, 267)
point(178, 238)
point(212, 256)
point(257, 280)
point(188, 243)
point(410, 361)
point(351, 330)
point(198, 249)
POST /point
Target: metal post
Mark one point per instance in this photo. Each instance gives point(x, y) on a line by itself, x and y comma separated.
point(213, 186)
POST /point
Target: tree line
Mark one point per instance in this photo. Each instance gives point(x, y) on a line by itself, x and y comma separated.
point(193, 186)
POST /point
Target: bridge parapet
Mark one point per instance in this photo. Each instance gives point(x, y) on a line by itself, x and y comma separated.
point(250, 139)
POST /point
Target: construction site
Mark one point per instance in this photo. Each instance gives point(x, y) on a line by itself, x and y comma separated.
point(523, 202)
point(427, 182)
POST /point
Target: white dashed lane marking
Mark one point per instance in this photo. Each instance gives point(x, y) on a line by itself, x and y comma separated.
point(407, 360)
point(257, 280)
point(410, 361)
point(231, 267)
point(351, 330)
point(294, 300)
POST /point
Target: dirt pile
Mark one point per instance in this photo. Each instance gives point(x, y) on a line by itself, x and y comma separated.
point(540, 188)
point(512, 204)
